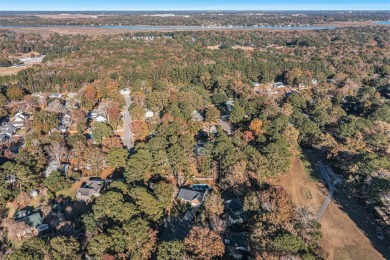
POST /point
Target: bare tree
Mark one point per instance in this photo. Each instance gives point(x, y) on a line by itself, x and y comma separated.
point(58, 152)
point(218, 224)
point(17, 230)
point(95, 159)
point(303, 217)
point(57, 107)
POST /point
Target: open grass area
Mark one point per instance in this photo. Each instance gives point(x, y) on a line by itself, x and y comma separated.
point(310, 168)
point(342, 238)
point(72, 191)
point(8, 71)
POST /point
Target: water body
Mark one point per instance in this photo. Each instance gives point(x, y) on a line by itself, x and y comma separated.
point(181, 28)
point(383, 22)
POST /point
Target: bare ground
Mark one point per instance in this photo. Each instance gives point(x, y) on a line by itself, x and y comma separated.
point(8, 71)
point(342, 238)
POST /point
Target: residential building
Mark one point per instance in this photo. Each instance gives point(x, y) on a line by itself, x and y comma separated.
point(33, 219)
point(193, 197)
point(149, 114)
point(196, 116)
point(234, 210)
point(278, 85)
point(90, 189)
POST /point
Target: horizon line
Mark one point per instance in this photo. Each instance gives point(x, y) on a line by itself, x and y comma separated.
point(195, 10)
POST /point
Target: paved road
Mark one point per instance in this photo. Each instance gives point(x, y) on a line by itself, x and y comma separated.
point(128, 135)
point(325, 175)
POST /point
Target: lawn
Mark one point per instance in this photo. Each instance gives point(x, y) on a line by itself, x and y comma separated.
point(72, 191)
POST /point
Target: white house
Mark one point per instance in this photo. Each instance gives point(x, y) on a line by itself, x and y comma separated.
point(100, 118)
point(149, 113)
point(278, 85)
point(125, 91)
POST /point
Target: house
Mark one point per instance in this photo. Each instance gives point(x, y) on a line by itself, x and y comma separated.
point(62, 128)
point(193, 197)
point(8, 127)
point(34, 193)
point(196, 116)
point(37, 94)
point(237, 245)
point(19, 120)
point(18, 124)
point(66, 119)
point(201, 187)
point(149, 114)
point(89, 189)
point(234, 209)
point(3, 137)
point(32, 218)
point(54, 166)
point(98, 116)
point(20, 116)
point(9, 132)
point(278, 85)
point(229, 105)
point(55, 95)
point(125, 91)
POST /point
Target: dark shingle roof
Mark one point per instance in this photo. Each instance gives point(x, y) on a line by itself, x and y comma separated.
point(234, 205)
point(189, 195)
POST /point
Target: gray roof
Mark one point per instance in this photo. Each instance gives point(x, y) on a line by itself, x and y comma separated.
point(190, 195)
point(89, 188)
point(85, 192)
point(234, 205)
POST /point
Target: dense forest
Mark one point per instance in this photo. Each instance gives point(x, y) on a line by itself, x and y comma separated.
point(337, 106)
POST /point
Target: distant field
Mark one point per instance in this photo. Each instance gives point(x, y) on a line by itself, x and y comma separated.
point(10, 71)
point(47, 31)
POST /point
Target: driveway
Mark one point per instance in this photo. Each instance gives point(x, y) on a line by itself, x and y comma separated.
point(325, 175)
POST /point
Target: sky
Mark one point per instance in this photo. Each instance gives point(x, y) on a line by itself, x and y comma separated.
point(131, 5)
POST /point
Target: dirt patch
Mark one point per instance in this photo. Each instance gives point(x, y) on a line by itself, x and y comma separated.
point(245, 48)
point(213, 47)
point(342, 239)
point(8, 71)
point(25, 55)
point(107, 172)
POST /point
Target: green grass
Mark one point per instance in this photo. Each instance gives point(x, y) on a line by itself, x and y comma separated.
point(310, 168)
point(71, 192)
point(308, 194)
